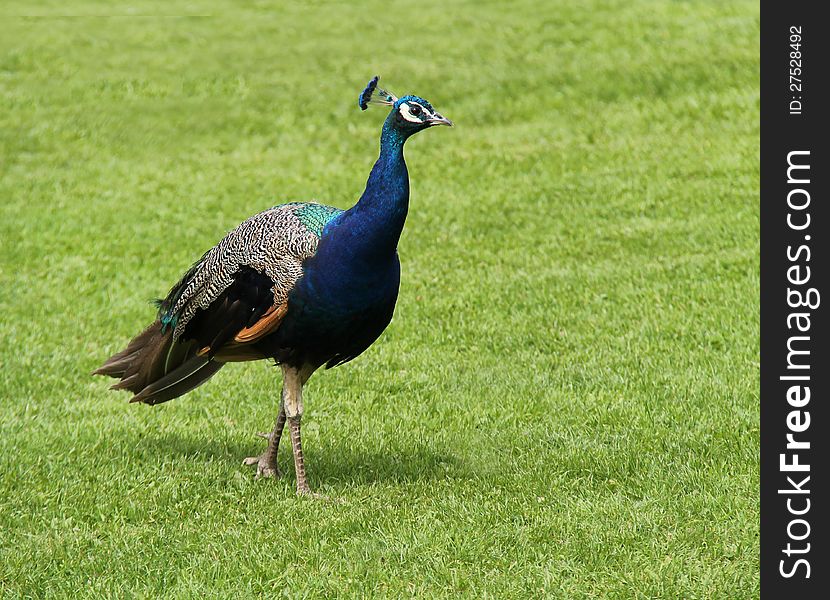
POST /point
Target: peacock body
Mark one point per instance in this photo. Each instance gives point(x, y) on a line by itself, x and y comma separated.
point(303, 284)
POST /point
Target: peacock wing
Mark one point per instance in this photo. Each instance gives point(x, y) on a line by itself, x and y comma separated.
point(238, 291)
point(243, 313)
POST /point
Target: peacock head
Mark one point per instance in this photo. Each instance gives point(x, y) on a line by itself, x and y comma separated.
point(409, 114)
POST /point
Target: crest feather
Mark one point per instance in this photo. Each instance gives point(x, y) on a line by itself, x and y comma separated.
point(372, 94)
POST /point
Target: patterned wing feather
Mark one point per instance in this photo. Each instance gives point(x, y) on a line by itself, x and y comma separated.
point(273, 243)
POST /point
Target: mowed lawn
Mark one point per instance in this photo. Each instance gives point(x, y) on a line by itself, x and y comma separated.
point(566, 402)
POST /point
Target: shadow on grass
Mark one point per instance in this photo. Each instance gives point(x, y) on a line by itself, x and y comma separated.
point(329, 463)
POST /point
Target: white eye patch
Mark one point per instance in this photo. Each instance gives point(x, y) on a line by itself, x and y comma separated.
point(404, 109)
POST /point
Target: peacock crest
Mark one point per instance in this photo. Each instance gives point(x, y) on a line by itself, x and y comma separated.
point(372, 94)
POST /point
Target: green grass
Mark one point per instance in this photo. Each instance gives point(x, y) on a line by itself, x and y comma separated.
point(566, 403)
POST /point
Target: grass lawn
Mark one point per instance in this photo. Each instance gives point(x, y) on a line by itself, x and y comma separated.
point(566, 403)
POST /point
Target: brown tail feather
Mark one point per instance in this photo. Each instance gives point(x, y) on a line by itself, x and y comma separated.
point(156, 369)
point(193, 373)
point(118, 364)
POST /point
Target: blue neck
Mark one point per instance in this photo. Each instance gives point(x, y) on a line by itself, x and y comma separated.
point(380, 213)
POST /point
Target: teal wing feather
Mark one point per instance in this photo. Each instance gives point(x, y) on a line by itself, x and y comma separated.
point(315, 217)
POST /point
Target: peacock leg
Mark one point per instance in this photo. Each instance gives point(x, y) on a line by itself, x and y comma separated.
point(266, 463)
point(293, 400)
point(299, 466)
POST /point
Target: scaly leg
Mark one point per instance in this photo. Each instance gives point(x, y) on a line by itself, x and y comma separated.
point(293, 400)
point(299, 466)
point(266, 463)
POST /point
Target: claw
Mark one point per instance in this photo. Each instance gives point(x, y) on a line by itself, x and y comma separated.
point(264, 470)
point(307, 493)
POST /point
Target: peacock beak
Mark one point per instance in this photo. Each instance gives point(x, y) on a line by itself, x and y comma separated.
point(437, 119)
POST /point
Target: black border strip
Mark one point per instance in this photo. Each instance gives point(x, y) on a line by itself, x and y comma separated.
point(793, 102)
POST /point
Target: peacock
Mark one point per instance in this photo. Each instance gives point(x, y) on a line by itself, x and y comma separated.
point(302, 284)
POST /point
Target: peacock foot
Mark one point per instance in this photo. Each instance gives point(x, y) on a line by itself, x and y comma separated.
point(266, 467)
point(266, 463)
point(307, 493)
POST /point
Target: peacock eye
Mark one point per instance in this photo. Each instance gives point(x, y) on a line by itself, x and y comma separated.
point(415, 110)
